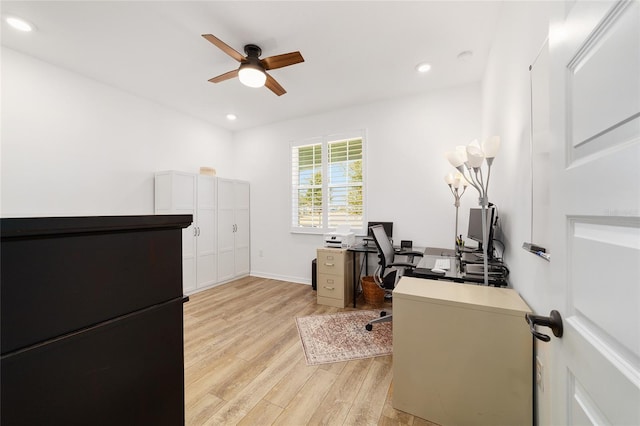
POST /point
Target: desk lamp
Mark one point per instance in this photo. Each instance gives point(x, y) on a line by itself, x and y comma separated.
point(468, 161)
point(456, 182)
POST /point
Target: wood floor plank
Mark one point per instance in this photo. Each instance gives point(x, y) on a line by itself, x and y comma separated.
point(198, 411)
point(263, 413)
point(335, 406)
point(241, 404)
point(302, 406)
point(244, 363)
point(369, 402)
point(287, 388)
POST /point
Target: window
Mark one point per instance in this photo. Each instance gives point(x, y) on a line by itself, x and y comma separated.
point(327, 185)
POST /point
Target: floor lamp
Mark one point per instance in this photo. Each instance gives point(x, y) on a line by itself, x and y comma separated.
point(456, 182)
point(468, 161)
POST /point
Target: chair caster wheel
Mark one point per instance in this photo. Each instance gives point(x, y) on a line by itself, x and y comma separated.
point(383, 313)
point(369, 327)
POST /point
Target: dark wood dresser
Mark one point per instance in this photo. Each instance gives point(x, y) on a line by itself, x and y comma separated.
point(91, 320)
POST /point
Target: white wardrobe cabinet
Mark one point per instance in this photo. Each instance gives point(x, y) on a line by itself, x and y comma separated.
point(188, 193)
point(233, 229)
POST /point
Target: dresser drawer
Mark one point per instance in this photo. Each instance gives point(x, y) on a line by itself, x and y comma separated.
point(330, 262)
point(330, 286)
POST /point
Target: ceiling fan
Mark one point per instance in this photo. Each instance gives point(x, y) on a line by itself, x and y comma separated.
point(253, 70)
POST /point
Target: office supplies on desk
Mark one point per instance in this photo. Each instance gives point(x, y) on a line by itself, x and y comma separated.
point(478, 269)
point(435, 261)
point(442, 263)
point(426, 268)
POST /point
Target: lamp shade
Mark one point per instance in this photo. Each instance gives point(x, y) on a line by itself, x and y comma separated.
point(491, 146)
point(475, 142)
point(462, 150)
point(474, 156)
point(449, 179)
point(251, 75)
point(455, 158)
point(460, 181)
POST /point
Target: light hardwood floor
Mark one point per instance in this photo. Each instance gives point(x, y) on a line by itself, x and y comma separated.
point(244, 363)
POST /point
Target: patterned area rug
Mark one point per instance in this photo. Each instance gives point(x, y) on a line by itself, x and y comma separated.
point(342, 337)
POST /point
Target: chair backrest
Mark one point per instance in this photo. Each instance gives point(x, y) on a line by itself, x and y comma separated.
point(385, 249)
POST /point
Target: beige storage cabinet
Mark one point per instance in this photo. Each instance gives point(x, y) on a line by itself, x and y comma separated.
point(335, 277)
point(462, 353)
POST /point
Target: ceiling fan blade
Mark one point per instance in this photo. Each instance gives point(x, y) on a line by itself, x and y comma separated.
point(224, 47)
point(274, 86)
point(225, 76)
point(284, 60)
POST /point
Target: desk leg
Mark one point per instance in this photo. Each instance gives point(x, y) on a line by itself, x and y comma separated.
point(355, 278)
point(366, 262)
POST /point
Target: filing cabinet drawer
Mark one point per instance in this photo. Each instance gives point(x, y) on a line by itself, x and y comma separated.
point(330, 262)
point(330, 286)
point(334, 273)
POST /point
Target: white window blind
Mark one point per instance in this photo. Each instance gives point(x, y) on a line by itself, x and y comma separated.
point(327, 183)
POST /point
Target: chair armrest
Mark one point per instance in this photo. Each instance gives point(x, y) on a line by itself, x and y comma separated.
point(405, 264)
point(409, 253)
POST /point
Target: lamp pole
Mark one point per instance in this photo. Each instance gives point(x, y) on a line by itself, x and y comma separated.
point(468, 161)
point(455, 183)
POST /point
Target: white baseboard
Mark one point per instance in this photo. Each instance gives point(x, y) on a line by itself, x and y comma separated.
point(298, 280)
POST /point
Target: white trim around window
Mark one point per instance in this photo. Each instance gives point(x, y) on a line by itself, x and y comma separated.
point(328, 183)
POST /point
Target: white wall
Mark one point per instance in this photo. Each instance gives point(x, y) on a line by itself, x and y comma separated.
point(73, 146)
point(521, 33)
point(506, 112)
point(405, 168)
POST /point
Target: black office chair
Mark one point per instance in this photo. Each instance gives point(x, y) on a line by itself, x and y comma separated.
point(388, 271)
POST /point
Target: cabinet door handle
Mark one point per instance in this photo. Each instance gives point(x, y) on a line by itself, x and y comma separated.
point(195, 231)
point(329, 288)
point(328, 264)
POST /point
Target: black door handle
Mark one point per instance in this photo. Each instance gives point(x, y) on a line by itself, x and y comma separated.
point(553, 321)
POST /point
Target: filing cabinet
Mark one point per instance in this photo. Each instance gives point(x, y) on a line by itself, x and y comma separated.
point(462, 353)
point(335, 277)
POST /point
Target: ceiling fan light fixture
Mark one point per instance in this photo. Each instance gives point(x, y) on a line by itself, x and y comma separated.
point(252, 75)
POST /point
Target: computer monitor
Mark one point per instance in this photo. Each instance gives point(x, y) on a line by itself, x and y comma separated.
point(388, 228)
point(475, 228)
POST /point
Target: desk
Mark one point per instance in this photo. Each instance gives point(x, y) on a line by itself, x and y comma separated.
point(430, 253)
point(455, 274)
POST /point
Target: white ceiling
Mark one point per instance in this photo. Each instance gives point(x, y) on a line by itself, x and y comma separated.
point(355, 52)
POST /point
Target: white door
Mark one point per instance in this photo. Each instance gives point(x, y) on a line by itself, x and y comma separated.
point(242, 234)
point(226, 229)
point(206, 233)
point(595, 181)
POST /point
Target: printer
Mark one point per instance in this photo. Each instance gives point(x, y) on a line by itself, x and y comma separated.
point(340, 238)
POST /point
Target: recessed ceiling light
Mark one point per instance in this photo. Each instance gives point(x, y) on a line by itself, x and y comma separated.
point(231, 117)
point(423, 67)
point(19, 23)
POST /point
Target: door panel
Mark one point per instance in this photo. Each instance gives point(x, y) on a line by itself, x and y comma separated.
point(595, 121)
point(611, 243)
point(600, 384)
